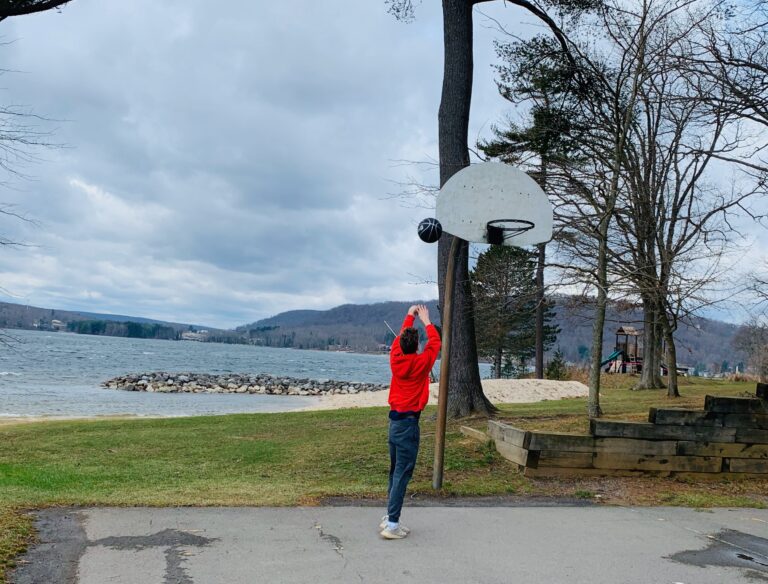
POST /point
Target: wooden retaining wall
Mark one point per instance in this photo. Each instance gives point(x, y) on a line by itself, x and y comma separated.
point(729, 437)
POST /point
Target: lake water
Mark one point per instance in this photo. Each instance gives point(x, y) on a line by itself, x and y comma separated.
point(58, 374)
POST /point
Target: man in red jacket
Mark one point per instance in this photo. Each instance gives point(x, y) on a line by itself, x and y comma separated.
point(408, 394)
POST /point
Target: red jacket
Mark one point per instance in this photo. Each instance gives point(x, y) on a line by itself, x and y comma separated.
point(409, 389)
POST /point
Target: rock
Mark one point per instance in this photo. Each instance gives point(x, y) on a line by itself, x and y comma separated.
point(161, 382)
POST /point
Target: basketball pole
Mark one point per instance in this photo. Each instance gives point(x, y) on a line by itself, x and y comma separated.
point(445, 361)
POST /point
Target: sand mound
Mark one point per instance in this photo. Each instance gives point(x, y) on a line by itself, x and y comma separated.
point(497, 390)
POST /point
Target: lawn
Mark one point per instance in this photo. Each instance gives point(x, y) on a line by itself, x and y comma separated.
point(300, 458)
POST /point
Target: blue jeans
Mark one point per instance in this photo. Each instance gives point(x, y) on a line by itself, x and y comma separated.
point(403, 448)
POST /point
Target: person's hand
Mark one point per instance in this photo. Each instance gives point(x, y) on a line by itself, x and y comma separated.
point(413, 310)
point(423, 313)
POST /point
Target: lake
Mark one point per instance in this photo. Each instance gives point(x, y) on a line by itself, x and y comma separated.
point(59, 374)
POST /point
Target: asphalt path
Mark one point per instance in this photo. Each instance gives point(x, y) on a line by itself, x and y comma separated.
point(483, 545)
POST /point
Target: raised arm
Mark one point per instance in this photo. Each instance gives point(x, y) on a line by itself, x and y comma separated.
point(410, 317)
point(432, 349)
point(407, 322)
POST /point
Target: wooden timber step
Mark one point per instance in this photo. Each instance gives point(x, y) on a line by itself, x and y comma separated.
point(674, 417)
point(508, 434)
point(657, 462)
point(746, 465)
point(561, 472)
point(750, 436)
point(474, 434)
point(636, 462)
point(563, 442)
point(588, 443)
point(726, 450)
point(728, 438)
point(753, 421)
point(735, 405)
point(512, 453)
point(636, 446)
point(560, 458)
point(647, 431)
point(554, 472)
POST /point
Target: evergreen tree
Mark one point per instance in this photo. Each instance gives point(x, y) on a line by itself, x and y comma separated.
point(557, 367)
point(504, 289)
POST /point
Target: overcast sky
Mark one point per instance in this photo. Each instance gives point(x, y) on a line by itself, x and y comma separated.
point(223, 167)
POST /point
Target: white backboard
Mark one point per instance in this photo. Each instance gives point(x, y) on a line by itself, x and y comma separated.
point(489, 191)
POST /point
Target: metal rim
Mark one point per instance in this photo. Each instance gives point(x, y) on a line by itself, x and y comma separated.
point(498, 232)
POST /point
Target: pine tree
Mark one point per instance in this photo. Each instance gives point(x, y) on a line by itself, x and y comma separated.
point(504, 288)
point(557, 367)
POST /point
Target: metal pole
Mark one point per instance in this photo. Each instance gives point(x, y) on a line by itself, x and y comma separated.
point(445, 361)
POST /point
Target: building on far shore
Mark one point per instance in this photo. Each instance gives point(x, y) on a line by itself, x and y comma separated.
point(196, 336)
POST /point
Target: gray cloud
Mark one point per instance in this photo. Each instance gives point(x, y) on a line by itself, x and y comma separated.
point(222, 167)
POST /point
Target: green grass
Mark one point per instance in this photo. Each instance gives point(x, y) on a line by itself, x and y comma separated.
point(260, 459)
point(15, 534)
point(299, 458)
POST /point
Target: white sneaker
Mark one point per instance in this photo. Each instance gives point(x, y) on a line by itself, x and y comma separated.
point(398, 533)
point(385, 521)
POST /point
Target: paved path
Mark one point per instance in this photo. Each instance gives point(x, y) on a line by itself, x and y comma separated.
point(484, 545)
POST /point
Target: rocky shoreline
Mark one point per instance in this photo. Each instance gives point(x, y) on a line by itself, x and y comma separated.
point(161, 382)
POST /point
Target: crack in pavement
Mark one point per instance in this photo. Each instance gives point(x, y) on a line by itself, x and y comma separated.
point(332, 539)
point(63, 542)
point(172, 539)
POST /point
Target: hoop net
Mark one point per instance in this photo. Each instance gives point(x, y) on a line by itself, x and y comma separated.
point(500, 230)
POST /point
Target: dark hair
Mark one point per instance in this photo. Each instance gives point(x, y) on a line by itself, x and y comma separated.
point(409, 340)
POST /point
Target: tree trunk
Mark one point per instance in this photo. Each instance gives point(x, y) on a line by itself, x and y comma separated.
point(498, 359)
point(593, 402)
point(671, 358)
point(650, 377)
point(465, 394)
point(540, 311)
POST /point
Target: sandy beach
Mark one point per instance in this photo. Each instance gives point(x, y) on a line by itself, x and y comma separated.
point(497, 390)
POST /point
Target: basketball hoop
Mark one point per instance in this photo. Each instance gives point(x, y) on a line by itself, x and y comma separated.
point(467, 207)
point(500, 230)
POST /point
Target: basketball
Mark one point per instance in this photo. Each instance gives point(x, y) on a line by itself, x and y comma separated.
point(430, 230)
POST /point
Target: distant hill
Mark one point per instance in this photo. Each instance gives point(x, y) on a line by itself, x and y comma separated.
point(21, 316)
point(361, 327)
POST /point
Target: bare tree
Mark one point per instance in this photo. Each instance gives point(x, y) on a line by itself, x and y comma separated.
point(759, 285)
point(639, 210)
point(752, 338)
point(588, 111)
point(674, 218)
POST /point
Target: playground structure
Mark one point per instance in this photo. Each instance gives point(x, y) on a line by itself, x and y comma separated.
point(627, 356)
